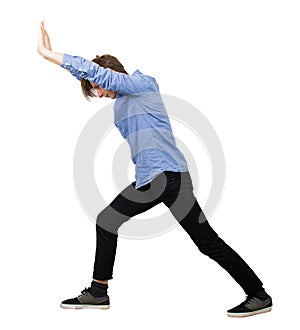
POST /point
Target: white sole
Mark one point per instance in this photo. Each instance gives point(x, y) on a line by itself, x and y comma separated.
point(66, 306)
point(261, 311)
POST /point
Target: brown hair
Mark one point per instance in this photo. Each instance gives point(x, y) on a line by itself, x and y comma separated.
point(106, 61)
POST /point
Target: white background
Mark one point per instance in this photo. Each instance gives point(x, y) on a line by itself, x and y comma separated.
point(237, 62)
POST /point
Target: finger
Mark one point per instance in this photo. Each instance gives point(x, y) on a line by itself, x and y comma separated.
point(47, 41)
point(42, 36)
point(40, 42)
point(43, 26)
point(46, 37)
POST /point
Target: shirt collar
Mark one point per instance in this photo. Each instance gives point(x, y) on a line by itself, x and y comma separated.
point(136, 72)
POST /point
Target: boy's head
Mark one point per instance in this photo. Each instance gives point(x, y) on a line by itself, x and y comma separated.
point(92, 90)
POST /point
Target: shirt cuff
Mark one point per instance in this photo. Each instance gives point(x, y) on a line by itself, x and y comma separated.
point(67, 60)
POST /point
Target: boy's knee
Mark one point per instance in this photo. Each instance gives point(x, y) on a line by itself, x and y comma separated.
point(110, 220)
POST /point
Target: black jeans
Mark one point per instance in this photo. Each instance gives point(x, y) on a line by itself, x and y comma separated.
point(175, 190)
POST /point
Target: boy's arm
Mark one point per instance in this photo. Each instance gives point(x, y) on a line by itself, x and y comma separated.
point(85, 69)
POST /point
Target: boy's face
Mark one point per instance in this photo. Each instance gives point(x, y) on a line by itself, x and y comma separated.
point(101, 92)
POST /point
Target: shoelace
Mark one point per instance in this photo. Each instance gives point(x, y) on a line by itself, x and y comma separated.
point(249, 300)
point(84, 292)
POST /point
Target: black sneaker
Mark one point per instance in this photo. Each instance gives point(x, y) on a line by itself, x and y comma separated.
point(86, 300)
point(252, 306)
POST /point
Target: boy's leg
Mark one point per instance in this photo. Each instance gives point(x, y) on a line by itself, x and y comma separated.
point(210, 244)
point(127, 204)
point(185, 208)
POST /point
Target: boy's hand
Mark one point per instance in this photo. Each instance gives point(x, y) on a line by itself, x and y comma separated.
point(43, 41)
point(44, 47)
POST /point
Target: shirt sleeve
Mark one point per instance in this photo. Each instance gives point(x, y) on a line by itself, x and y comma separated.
point(107, 79)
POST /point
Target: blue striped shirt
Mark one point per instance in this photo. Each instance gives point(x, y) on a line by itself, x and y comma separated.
point(140, 116)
